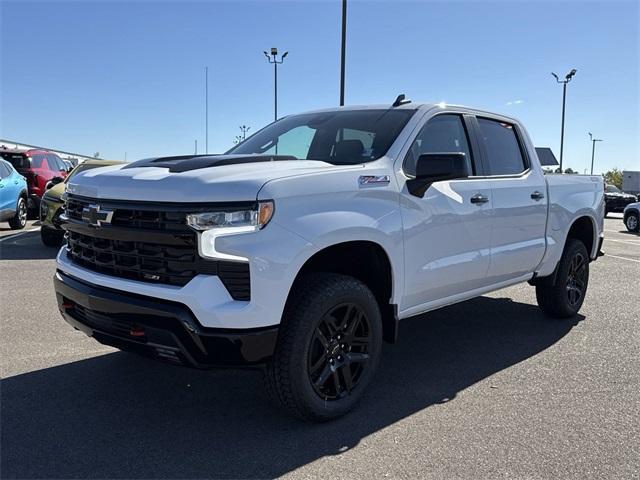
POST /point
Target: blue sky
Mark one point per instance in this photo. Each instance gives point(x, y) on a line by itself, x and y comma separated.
point(119, 77)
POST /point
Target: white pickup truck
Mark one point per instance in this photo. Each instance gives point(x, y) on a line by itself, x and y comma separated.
point(301, 249)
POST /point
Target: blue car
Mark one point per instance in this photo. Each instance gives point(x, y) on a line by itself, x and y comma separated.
point(13, 196)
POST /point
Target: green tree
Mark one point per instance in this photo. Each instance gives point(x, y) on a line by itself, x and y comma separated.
point(614, 177)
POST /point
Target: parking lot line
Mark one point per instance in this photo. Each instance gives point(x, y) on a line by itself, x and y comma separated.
point(622, 258)
point(618, 232)
point(9, 237)
point(621, 241)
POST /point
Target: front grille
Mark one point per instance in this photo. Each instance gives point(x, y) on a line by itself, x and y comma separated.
point(128, 216)
point(146, 244)
point(150, 262)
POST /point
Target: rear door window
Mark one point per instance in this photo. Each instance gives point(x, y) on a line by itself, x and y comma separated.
point(503, 149)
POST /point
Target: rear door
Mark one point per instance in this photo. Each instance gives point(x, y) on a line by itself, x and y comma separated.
point(447, 232)
point(519, 200)
point(41, 171)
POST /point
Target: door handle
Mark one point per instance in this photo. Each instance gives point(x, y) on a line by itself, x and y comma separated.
point(479, 199)
point(537, 196)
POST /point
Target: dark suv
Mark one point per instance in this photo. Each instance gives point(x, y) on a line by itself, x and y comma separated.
point(39, 167)
point(615, 199)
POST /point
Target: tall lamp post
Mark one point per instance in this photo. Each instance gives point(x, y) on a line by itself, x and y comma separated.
point(206, 109)
point(564, 82)
point(244, 129)
point(593, 148)
point(343, 50)
point(273, 58)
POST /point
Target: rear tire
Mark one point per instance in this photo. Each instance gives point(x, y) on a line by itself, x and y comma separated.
point(632, 222)
point(329, 347)
point(564, 298)
point(51, 237)
point(19, 220)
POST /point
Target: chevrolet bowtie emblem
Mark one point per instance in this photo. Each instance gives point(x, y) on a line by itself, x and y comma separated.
point(96, 217)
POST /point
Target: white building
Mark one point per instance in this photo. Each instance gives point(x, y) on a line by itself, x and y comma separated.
point(631, 181)
point(74, 158)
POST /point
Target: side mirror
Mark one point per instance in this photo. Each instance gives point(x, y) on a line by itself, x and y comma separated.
point(436, 167)
point(54, 181)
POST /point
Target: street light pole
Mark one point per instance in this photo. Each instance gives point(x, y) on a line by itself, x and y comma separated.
point(343, 50)
point(206, 109)
point(244, 129)
point(564, 82)
point(273, 58)
point(593, 148)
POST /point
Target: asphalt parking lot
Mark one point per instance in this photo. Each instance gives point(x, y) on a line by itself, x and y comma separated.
point(485, 389)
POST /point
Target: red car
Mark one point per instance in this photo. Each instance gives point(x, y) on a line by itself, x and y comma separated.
point(38, 167)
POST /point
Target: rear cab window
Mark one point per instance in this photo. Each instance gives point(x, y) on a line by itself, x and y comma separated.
point(503, 149)
point(18, 160)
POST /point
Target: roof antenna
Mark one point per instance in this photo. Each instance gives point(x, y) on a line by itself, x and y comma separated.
point(400, 100)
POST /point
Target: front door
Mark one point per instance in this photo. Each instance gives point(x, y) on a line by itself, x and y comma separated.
point(447, 233)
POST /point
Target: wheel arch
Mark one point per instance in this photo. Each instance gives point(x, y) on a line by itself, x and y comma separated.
point(584, 228)
point(366, 260)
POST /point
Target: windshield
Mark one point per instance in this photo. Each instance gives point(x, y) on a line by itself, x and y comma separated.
point(344, 137)
point(612, 189)
point(81, 168)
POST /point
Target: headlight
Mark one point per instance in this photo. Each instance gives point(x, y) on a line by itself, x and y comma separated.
point(212, 225)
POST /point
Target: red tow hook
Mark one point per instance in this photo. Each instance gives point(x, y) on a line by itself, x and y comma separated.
point(66, 305)
point(137, 332)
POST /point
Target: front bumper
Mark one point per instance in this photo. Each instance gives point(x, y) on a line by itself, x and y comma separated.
point(157, 328)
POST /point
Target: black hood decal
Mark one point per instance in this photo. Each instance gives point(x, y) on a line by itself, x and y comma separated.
point(187, 163)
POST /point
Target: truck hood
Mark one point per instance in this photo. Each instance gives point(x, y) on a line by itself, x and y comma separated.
point(222, 182)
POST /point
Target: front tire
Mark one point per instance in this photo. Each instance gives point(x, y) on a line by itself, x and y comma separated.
point(329, 347)
point(564, 298)
point(19, 220)
point(51, 237)
point(632, 222)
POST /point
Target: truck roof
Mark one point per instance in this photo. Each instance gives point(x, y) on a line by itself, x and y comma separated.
point(416, 106)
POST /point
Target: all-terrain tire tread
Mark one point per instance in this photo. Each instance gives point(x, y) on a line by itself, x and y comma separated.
point(307, 291)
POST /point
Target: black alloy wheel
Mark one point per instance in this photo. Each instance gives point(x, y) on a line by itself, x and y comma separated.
point(561, 295)
point(329, 347)
point(576, 279)
point(338, 351)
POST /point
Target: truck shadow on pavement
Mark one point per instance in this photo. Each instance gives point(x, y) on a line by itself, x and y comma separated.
point(26, 246)
point(120, 416)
